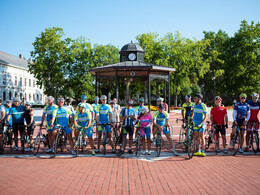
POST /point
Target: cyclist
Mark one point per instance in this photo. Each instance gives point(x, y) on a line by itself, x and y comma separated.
point(160, 101)
point(61, 115)
point(115, 114)
point(17, 114)
point(218, 116)
point(83, 119)
point(94, 106)
point(2, 122)
point(117, 106)
point(128, 116)
point(145, 119)
point(28, 115)
point(160, 122)
point(138, 110)
point(186, 110)
point(48, 110)
point(88, 107)
point(254, 117)
point(199, 115)
point(241, 115)
point(104, 115)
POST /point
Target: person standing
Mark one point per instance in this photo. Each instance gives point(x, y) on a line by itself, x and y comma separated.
point(2, 122)
point(28, 115)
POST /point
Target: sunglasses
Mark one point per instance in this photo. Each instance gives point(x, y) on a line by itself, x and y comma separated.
point(242, 98)
point(254, 98)
point(195, 98)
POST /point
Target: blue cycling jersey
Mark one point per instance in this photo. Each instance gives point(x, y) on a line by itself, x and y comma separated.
point(17, 114)
point(242, 109)
point(62, 116)
point(199, 111)
point(83, 118)
point(103, 111)
point(128, 112)
point(49, 110)
point(7, 111)
point(160, 117)
point(95, 109)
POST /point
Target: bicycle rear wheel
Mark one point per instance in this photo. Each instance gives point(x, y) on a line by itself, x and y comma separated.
point(236, 143)
point(182, 135)
point(207, 139)
point(37, 144)
point(158, 145)
point(255, 141)
point(79, 142)
point(23, 142)
point(191, 142)
point(57, 143)
point(118, 145)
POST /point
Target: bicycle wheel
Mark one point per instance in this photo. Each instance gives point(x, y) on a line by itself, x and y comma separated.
point(104, 141)
point(158, 144)
point(78, 145)
point(236, 143)
point(191, 146)
point(138, 145)
point(182, 135)
point(118, 145)
point(207, 139)
point(254, 141)
point(57, 143)
point(23, 142)
point(36, 144)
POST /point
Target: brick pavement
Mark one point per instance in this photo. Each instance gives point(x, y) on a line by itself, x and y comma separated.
point(115, 175)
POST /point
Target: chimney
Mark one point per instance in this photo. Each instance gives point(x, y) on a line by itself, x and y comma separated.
point(20, 56)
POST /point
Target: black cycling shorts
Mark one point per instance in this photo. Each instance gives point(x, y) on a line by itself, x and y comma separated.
point(18, 126)
point(221, 129)
point(30, 129)
point(2, 124)
point(129, 129)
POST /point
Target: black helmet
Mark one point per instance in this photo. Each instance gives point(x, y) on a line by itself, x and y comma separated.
point(161, 106)
point(198, 95)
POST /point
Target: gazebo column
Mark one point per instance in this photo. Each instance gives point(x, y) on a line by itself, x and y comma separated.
point(165, 90)
point(149, 90)
point(144, 91)
point(169, 98)
point(117, 86)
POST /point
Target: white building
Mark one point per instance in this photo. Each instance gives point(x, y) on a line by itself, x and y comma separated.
point(16, 81)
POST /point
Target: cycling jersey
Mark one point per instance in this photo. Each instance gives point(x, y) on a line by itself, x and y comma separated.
point(49, 110)
point(7, 110)
point(241, 110)
point(62, 115)
point(218, 114)
point(187, 109)
point(128, 112)
point(17, 114)
point(165, 107)
point(103, 110)
point(254, 111)
point(94, 106)
point(82, 118)
point(199, 111)
point(160, 117)
point(145, 120)
point(138, 109)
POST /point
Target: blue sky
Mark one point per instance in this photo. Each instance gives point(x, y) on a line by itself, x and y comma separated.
point(117, 22)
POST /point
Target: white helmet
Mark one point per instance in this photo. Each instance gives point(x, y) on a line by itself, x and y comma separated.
point(144, 110)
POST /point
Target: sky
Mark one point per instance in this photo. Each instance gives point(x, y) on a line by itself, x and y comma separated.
point(118, 22)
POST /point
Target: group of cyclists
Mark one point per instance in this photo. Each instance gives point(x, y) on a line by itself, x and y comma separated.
point(102, 116)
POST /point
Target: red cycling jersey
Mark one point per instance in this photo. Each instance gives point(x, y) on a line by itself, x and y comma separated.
point(218, 113)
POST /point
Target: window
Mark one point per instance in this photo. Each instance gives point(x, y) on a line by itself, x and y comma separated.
point(10, 78)
point(15, 80)
point(21, 96)
point(33, 83)
point(21, 81)
point(25, 82)
point(15, 95)
point(10, 95)
point(37, 97)
point(29, 82)
point(4, 96)
point(30, 97)
point(4, 79)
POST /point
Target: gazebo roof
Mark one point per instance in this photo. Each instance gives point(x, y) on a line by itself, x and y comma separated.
point(132, 65)
point(131, 47)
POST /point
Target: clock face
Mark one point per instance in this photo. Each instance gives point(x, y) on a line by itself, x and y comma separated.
point(132, 56)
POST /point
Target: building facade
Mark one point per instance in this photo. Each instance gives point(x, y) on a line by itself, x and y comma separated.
point(16, 81)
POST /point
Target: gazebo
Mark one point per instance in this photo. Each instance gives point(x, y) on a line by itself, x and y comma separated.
point(132, 68)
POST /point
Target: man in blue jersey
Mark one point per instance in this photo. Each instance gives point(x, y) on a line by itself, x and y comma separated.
point(104, 116)
point(61, 114)
point(128, 116)
point(88, 107)
point(17, 114)
point(241, 115)
point(48, 110)
point(199, 115)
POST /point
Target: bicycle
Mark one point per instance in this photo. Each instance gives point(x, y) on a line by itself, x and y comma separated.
point(40, 137)
point(138, 142)
point(121, 142)
point(158, 142)
point(213, 138)
point(80, 141)
point(254, 139)
point(61, 139)
point(114, 131)
point(236, 141)
point(25, 138)
point(190, 141)
point(7, 137)
point(104, 136)
point(208, 140)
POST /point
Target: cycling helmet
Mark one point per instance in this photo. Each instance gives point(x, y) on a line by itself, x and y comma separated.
point(61, 99)
point(144, 110)
point(129, 102)
point(198, 95)
point(84, 97)
point(217, 98)
point(81, 105)
point(103, 97)
point(27, 103)
point(17, 100)
point(243, 95)
point(141, 100)
point(255, 95)
point(161, 106)
point(8, 101)
point(187, 96)
point(160, 99)
point(50, 98)
point(96, 98)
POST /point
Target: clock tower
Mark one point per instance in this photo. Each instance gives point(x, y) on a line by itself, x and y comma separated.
point(131, 52)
